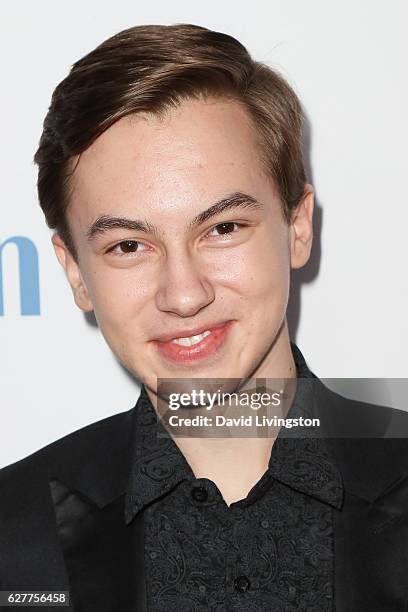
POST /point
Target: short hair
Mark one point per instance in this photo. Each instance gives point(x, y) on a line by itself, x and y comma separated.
point(152, 68)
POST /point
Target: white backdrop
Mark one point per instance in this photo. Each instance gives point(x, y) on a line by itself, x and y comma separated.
point(348, 311)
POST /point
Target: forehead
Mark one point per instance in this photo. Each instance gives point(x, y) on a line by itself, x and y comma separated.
point(201, 148)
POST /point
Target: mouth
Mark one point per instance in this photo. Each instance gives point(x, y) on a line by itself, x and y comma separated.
point(198, 345)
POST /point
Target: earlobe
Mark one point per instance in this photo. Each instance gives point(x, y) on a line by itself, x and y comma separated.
point(81, 298)
point(73, 274)
point(301, 229)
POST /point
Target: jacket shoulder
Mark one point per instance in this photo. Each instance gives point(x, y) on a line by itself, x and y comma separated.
point(369, 443)
point(359, 419)
point(92, 460)
point(98, 443)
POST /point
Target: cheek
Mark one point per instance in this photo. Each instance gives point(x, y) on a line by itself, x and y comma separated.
point(254, 270)
point(117, 295)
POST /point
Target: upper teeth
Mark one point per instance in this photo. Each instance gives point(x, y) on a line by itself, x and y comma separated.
point(191, 340)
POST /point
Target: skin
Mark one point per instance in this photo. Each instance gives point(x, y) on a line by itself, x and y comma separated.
point(166, 170)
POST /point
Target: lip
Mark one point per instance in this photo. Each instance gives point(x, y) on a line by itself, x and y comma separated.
point(186, 333)
point(207, 347)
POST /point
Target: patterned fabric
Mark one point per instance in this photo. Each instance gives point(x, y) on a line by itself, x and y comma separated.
point(272, 551)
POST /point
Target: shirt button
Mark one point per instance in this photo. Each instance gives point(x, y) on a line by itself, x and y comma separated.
point(199, 494)
point(242, 584)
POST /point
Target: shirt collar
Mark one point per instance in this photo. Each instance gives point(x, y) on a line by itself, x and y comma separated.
point(158, 465)
point(303, 460)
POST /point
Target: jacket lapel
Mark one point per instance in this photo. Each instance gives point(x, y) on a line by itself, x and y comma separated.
point(103, 555)
point(371, 551)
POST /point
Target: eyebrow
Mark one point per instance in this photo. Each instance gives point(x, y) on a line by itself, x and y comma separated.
point(106, 223)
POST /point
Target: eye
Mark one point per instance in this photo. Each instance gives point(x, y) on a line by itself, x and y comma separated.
point(127, 246)
point(224, 228)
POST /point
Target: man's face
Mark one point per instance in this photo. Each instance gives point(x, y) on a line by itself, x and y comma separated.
point(179, 275)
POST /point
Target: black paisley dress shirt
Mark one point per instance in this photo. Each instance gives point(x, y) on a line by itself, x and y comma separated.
point(271, 552)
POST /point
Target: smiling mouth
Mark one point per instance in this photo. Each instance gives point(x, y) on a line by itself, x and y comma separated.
point(195, 347)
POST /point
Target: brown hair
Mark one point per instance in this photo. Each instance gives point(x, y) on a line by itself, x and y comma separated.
point(151, 68)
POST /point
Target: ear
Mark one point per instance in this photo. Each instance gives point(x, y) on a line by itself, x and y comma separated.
point(79, 290)
point(301, 229)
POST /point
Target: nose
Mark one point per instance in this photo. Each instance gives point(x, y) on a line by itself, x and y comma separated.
point(183, 288)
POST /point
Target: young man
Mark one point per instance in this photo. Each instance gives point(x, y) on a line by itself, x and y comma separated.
point(171, 168)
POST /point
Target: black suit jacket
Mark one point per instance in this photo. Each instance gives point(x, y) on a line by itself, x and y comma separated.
point(62, 521)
